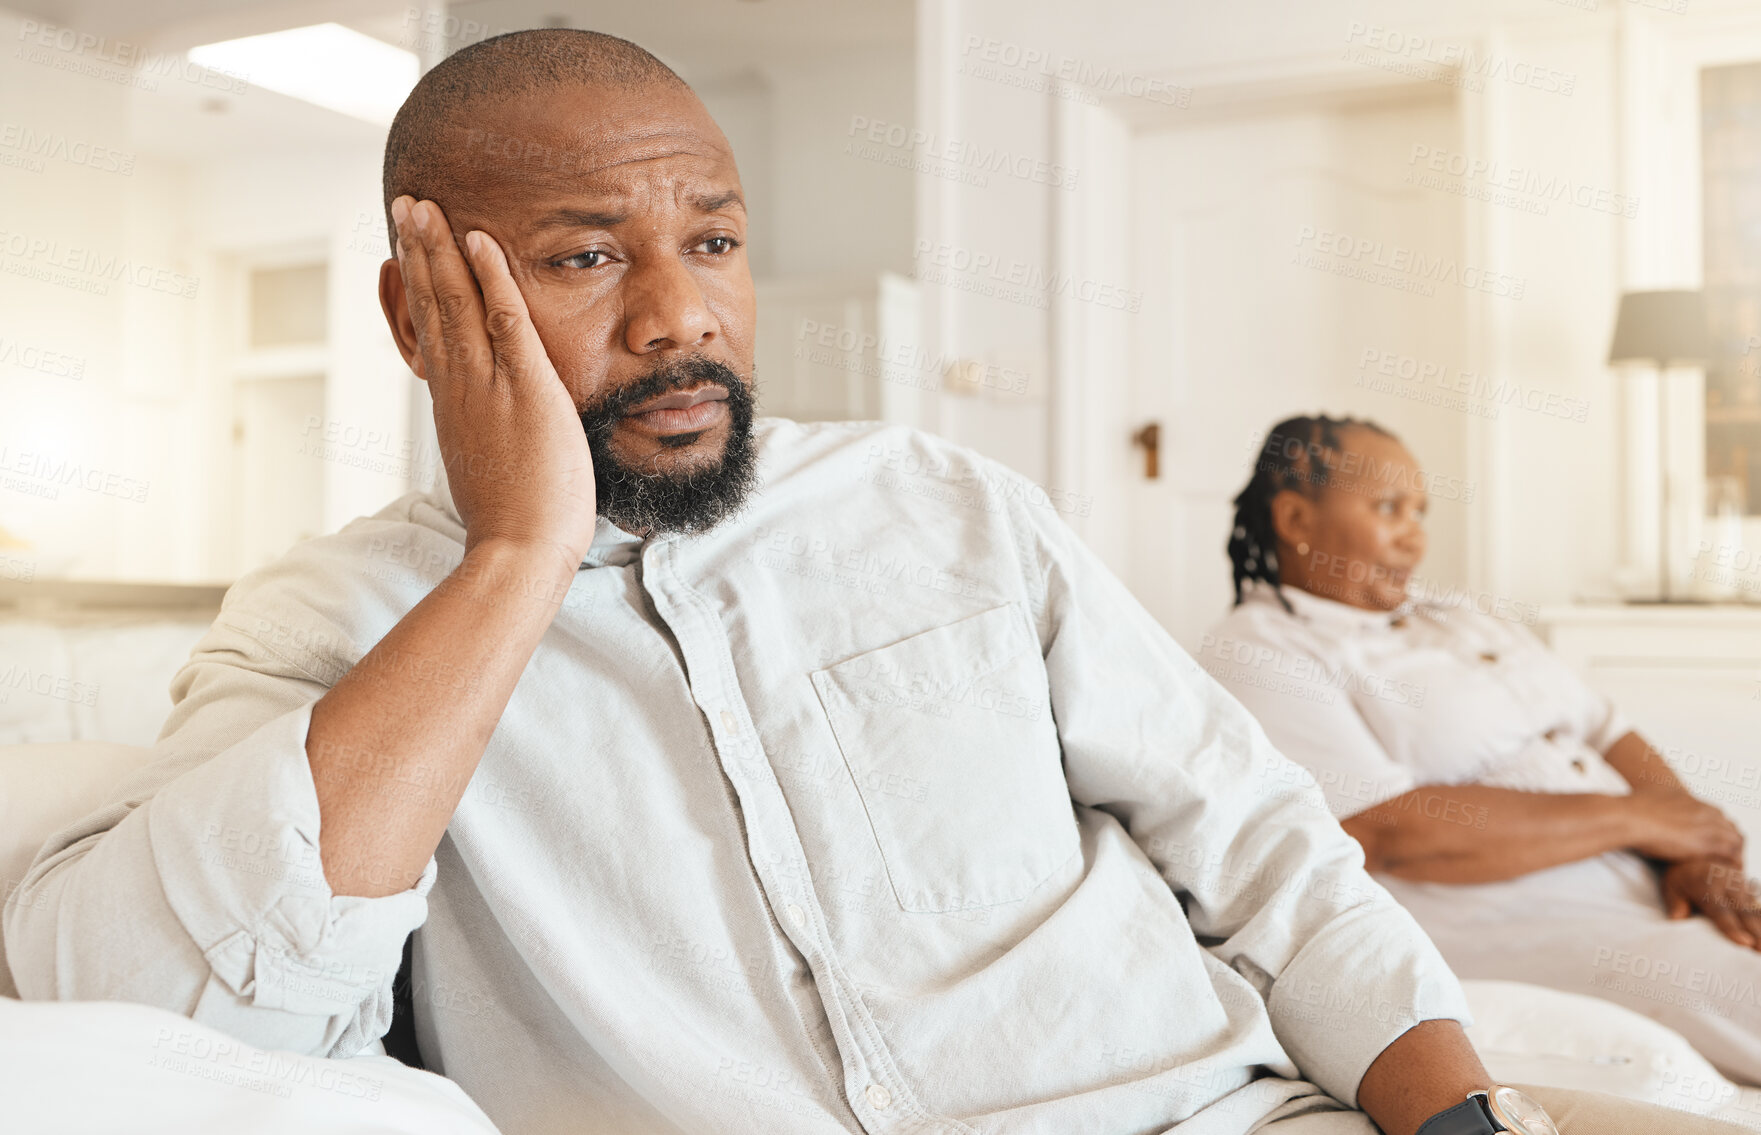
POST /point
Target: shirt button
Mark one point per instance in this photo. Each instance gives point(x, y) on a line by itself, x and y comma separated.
point(879, 1097)
point(728, 721)
point(797, 916)
point(1488, 656)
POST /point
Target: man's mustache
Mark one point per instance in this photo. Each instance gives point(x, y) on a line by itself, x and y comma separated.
point(680, 374)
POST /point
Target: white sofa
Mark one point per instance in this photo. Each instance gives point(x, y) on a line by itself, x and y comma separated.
point(88, 1066)
point(74, 675)
point(162, 1073)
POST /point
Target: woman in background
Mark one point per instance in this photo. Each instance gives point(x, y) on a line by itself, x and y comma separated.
point(1531, 832)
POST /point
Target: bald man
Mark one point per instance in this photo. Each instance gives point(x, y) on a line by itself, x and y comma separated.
point(731, 774)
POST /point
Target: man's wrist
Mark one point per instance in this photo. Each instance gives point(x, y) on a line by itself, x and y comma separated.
point(498, 570)
point(1469, 1117)
point(1486, 1111)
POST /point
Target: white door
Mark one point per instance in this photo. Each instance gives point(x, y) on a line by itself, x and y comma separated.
point(1250, 315)
point(278, 467)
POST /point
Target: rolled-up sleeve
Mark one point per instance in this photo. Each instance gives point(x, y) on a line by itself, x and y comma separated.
point(199, 888)
point(1270, 883)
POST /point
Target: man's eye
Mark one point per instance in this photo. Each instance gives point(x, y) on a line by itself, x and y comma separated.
point(576, 261)
point(719, 245)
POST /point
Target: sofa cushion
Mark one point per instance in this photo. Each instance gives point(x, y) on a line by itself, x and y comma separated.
point(110, 1066)
point(43, 788)
point(1532, 1035)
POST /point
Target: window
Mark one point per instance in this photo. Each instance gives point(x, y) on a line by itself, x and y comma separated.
point(1730, 133)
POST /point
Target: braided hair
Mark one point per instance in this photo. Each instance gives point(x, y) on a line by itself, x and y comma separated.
point(1294, 456)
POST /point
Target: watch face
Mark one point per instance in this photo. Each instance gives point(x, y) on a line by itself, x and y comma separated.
point(1520, 1113)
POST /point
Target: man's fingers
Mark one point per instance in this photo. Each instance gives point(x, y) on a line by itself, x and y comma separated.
point(518, 350)
point(412, 261)
point(457, 305)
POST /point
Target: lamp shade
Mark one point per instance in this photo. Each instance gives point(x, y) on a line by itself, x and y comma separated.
point(1661, 327)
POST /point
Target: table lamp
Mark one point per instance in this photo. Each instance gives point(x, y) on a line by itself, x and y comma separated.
point(1666, 329)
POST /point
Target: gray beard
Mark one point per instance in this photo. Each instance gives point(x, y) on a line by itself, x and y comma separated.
point(687, 502)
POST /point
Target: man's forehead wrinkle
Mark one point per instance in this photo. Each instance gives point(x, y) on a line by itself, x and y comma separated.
point(521, 200)
point(560, 131)
point(652, 148)
point(625, 192)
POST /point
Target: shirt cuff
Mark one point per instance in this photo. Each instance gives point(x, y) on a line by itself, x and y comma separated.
point(1354, 989)
point(235, 842)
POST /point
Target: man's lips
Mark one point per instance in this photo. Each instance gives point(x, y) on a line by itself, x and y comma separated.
point(682, 410)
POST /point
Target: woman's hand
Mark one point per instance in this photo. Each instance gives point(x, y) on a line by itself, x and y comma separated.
point(511, 439)
point(1673, 826)
point(1719, 890)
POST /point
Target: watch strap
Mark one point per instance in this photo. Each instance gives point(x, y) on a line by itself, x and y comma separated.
point(1470, 1117)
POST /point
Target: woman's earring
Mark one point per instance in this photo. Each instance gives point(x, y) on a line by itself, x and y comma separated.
point(1302, 548)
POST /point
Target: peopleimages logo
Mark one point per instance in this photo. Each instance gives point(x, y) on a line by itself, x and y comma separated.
point(1309, 669)
point(982, 267)
point(1325, 464)
point(954, 153)
point(1417, 270)
point(1080, 74)
point(1541, 189)
point(94, 268)
point(1418, 379)
point(1397, 50)
point(102, 57)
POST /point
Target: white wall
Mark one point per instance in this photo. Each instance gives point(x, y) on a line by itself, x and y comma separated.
point(1560, 498)
point(209, 194)
point(834, 212)
point(117, 426)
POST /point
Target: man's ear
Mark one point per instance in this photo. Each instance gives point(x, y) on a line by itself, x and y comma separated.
point(1293, 517)
point(396, 306)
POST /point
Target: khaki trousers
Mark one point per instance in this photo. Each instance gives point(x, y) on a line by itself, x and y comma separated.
point(1576, 1113)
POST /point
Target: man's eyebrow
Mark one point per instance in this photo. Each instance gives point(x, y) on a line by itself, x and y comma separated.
point(581, 219)
point(716, 202)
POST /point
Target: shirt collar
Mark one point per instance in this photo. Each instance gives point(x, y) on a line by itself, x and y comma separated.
point(612, 546)
point(1326, 614)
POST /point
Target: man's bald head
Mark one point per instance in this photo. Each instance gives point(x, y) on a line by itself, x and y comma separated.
point(423, 155)
point(616, 202)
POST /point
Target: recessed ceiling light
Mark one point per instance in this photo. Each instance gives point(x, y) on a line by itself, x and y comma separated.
point(327, 65)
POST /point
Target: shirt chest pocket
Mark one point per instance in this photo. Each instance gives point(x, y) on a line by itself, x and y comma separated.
point(949, 737)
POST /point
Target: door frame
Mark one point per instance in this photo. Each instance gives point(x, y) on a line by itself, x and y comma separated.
point(1085, 448)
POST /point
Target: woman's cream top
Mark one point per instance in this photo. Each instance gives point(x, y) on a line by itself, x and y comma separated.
point(1376, 703)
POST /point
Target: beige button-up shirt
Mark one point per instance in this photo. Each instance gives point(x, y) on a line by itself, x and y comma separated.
point(882, 807)
point(1376, 703)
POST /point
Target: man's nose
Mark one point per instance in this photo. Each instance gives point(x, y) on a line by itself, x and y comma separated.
point(664, 308)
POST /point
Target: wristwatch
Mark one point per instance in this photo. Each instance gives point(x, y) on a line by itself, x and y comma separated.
point(1497, 1109)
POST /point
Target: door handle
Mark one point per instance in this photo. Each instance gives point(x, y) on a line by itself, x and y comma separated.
point(1149, 439)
